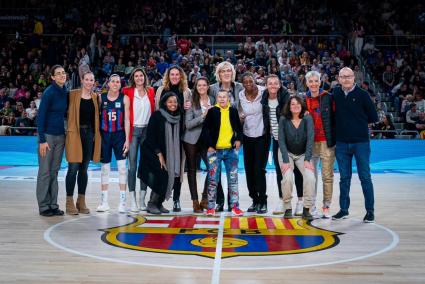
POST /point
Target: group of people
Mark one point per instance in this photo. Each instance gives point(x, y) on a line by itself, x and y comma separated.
point(175, 126)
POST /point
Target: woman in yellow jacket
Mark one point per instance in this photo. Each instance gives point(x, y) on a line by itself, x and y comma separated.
point(82, 142)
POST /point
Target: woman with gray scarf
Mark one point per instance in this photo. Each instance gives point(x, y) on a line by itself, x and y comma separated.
point(161, 153)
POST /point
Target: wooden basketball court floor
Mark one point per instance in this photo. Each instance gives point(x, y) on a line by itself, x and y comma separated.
point(27, 257)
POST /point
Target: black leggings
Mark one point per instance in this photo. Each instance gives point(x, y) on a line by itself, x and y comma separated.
point(87, 136)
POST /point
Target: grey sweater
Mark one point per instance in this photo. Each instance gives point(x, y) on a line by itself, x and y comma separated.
point(297, 141)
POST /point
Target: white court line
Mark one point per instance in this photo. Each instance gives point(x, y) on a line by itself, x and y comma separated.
point(201, 218)
point(153, 225)
point(218, 248)
point(158, 218)
point(206, 226)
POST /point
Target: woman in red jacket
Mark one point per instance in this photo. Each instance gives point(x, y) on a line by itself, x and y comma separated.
point(142, 105)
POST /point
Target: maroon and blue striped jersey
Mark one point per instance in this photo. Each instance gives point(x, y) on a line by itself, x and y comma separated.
point(112, 114)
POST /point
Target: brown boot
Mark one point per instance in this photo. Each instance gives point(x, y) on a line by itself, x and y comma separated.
point(81, 204)
point(196, 207)
point(70, 207)
point(204, 204)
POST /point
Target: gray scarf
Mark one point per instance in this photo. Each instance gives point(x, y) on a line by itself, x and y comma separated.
point(172, 148)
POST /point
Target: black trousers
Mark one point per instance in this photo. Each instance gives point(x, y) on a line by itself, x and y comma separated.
point(255, 153)
point(297, 174)
point(80, 169)
point(193, 151)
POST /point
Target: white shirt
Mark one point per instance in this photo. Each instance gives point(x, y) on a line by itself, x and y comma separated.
point(204, 108)
point(274, 124)
point(253, 111)
point(141, 109)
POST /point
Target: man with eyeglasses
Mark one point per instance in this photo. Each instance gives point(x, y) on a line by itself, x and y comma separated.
point(354, 111)
point(51, 138)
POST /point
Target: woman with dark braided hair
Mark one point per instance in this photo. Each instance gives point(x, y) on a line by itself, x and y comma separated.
point(160, 155)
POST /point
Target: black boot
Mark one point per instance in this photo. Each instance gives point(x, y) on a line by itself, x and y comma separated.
point(153, 203)
point(288, 214)
point(306, 214)
point(176, 206)
point(163, 209)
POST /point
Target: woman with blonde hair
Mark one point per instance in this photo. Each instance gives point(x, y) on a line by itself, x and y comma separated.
point(225, 76)
point(82, 142)
point(175, 80)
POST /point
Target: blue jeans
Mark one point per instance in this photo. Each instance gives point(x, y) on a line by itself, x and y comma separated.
point(139, 136)
point(344, 155)
point(230, 160)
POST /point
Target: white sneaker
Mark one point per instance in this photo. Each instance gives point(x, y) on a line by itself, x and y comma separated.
point(103, 207)
point(142, 204)
point(121, 208)
point(279, 208)
point(299, 208)
point(326, 213)
point(315, 213)
point(133, 206)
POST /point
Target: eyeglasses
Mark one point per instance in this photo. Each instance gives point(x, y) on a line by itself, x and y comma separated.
point(346, 77)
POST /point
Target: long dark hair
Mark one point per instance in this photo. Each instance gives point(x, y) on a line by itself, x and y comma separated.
point(286, 111)
point(131, 79)
point(390, 120)
point(196, 97)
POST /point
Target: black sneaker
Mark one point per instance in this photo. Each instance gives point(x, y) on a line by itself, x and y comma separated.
point(369, 217)
point(46, 213)
point(288, 214)
point(252, 208)
point(57, 212)
point(219, 207)
point(176, 206)
point(340, 215)
point(262, 208)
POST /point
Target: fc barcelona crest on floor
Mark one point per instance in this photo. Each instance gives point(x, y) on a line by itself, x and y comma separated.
point(243, 236)
point(249, 242)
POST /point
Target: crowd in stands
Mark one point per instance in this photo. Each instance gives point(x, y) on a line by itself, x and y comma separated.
point(102, 42)
point(385, 39)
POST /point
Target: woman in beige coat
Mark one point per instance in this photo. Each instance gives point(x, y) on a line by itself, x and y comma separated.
point(82, 142)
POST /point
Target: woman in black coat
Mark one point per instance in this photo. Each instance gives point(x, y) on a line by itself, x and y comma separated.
point(161, 153)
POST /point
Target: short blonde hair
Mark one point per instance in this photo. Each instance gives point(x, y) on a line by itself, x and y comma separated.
point(224, 65)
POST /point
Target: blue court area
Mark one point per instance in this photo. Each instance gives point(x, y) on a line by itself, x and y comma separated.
point(387, 155)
